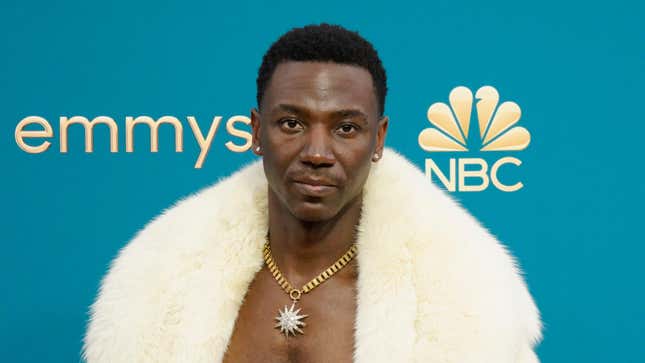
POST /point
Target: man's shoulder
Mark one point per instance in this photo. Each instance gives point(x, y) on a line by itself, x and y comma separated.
point(435, 225)
point(461, 269)
point(197, 218)
point(154, 272)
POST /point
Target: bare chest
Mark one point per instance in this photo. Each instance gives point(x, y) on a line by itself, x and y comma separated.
point(328, 333)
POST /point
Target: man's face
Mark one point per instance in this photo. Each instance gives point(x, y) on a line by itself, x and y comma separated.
point(318, 129)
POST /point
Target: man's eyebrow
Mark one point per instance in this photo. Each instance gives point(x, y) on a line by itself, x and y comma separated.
point(290, 109)
point(349, 113)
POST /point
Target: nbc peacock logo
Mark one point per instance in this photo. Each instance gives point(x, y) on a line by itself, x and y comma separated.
point(452, 132)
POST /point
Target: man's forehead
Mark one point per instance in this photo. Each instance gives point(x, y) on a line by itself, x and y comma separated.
point(321, 85)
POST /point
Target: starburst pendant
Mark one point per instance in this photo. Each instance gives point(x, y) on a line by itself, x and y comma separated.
point(289, 321)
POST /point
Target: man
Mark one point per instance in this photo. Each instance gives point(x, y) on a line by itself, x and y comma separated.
point(331, 249)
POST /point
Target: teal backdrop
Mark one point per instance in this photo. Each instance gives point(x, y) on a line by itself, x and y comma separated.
point(575, 68)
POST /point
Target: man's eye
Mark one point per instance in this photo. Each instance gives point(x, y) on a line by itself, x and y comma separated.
point(290, 124)
point(347, 128)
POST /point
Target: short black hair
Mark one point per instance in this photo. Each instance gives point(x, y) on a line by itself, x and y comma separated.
point(324, 43)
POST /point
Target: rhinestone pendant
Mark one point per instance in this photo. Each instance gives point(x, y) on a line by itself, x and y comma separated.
point(289, 321)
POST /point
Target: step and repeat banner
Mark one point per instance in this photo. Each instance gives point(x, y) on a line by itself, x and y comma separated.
point(528, 114)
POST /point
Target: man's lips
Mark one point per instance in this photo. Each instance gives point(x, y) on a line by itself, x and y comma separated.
point(314, 187)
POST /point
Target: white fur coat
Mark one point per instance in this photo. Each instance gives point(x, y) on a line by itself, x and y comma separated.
point(433, 286)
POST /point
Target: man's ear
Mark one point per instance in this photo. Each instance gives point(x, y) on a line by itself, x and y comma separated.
point(381, 132)
point(255, 132)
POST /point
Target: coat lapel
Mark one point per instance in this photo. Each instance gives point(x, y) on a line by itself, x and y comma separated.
point(385, 330)
point(226, 267)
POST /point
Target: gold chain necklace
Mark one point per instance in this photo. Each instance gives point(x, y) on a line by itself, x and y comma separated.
point(289, 319)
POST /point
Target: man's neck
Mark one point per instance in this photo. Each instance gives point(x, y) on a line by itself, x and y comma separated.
point(302, 249)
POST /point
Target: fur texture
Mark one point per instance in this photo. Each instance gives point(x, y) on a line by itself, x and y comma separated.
point(433, 286)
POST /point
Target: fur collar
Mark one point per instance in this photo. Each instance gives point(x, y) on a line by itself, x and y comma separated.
point(433, 285)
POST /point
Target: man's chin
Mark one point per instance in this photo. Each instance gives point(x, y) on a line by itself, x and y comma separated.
point(313, 212)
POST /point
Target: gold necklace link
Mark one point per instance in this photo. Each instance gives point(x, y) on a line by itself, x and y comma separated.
point(316, 281)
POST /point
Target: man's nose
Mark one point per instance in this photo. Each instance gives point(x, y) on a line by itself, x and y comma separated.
point(317, 151)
